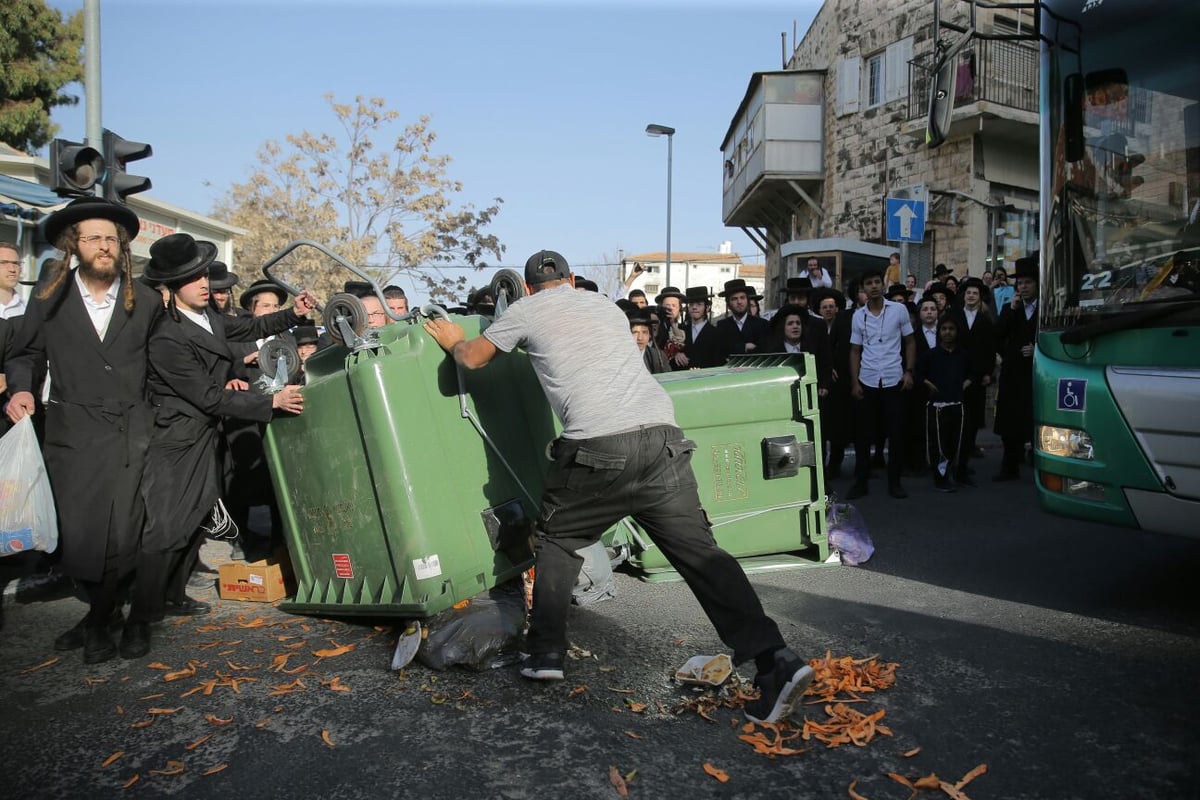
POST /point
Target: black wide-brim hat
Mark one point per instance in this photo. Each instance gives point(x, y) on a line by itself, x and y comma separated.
point(697, 294)
point(258, 287)
point(797, 286)
point(670, 291)
point(178, 258)
point(304, 334)
point(90, 207)
point(818, 296)
point(219, 276)
point(1026, 267)
point(936, 287)
point(897, 288)
point(736, 285)
point(970, 282)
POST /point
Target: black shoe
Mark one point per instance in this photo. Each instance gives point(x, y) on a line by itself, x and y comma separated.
point(897, 491)
point(942, 484)
point(98, 646)
point(543, 667)
point(857, 489)
point(963, 479)
point(1006, 475)
point(780, 689)
point(135, 641)
point(188, 607)
point(73, 639)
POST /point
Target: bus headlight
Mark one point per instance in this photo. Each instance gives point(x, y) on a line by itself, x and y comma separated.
point(1065, 442)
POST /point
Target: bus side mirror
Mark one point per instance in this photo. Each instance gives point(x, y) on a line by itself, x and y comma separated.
point(941, 97)
point(1073, 140)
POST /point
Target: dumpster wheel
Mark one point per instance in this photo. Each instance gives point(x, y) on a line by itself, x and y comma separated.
point(510, 282)
point(270, 352)
point(348, 308)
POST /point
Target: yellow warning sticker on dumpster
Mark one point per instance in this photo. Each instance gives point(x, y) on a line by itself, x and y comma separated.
point(427, 567)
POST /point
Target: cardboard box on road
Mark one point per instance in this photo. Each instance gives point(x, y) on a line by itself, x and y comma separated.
point(260, 581)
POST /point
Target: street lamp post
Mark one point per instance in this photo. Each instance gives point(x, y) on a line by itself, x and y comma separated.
point(663, 130)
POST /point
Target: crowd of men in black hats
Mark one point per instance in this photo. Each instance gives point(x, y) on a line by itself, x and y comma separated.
point(897, 374)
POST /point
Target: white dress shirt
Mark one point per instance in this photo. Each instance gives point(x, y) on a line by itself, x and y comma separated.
point(199, 319)
point(880, 336)
point(13, 308)
point(100, 313)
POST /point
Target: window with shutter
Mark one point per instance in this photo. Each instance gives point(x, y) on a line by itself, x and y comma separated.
point(895, 69)
point(848, 85)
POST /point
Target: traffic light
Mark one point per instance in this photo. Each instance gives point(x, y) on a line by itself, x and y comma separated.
point(1123, 166)
point(74, 168)
point(118, 152)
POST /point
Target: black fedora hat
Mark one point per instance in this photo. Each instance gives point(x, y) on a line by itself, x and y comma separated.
point(737, 285)
point(942, 269)
point(937, 287)
point(258, 287)
point(89, 207)
point(819, 296)
point(670, 291)
point(897, 288)
point(802, 285)
point(972, 282)
point(304, 334)
point(697, 294)
point(359, 288)
point(1026, 267)
point(219, 276)
point(178, 258)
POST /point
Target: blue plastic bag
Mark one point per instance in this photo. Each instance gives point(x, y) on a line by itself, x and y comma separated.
point(847, 531)
point(28, 520)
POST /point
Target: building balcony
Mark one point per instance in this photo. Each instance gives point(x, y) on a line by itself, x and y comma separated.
point(996, 91)
point(773, 152)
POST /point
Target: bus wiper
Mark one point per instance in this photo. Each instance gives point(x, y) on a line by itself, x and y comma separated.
point(1124, 322)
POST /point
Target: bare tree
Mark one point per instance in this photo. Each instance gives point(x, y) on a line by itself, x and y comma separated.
point(390, 210)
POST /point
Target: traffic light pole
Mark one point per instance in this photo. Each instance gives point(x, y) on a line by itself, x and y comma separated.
point(91, 73)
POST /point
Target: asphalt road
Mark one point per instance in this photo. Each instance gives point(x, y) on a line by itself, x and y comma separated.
point(1062, 655)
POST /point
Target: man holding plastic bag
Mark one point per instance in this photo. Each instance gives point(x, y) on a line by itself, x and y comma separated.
point(91, 321)
point(27, 518)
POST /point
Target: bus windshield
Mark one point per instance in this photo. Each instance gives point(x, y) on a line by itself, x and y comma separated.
point(1122, 160)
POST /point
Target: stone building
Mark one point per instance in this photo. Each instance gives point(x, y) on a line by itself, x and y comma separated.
point(815, 149)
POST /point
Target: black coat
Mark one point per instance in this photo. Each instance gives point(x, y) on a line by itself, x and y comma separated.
point(97, 421)
point(1014, 403)
point(755, 331)
point(814, 339)
point(712, 348)
point(189, 368)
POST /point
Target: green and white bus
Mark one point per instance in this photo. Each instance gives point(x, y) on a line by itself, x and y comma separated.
point(1117, 365)
point(1116, 416)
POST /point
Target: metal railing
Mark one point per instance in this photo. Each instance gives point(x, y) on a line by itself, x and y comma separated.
point(998, 71)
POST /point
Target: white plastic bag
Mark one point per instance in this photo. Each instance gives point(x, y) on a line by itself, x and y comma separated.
point(27, 517)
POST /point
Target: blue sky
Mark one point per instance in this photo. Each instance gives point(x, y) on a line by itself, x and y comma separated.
point(542, 104)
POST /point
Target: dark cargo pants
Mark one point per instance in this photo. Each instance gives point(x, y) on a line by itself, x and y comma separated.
point(647, 475)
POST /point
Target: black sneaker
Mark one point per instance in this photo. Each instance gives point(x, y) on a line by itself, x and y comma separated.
point(942, 483)
point(780, 689)
point(543, 667)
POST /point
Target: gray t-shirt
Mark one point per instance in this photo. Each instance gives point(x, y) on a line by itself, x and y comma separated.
point(586, 360)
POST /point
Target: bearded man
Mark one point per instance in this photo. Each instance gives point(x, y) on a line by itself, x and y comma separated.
point(91, 322)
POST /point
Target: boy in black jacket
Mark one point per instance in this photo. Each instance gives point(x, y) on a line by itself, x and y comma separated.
point(946, 372)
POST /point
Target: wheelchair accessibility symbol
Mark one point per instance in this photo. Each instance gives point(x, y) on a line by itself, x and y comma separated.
point(1072, 394)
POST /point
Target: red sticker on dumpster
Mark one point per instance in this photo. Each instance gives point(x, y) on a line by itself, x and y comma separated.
point(342, 568)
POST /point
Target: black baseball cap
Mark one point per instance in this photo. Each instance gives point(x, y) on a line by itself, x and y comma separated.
point(544, 266)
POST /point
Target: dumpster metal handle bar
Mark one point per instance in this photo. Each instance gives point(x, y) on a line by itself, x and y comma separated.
point(291, 247)
point(467, 415)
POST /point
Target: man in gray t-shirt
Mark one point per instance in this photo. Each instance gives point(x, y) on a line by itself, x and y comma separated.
point(620, 455)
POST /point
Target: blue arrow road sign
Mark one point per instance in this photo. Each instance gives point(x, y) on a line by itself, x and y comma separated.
point(905, 220)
